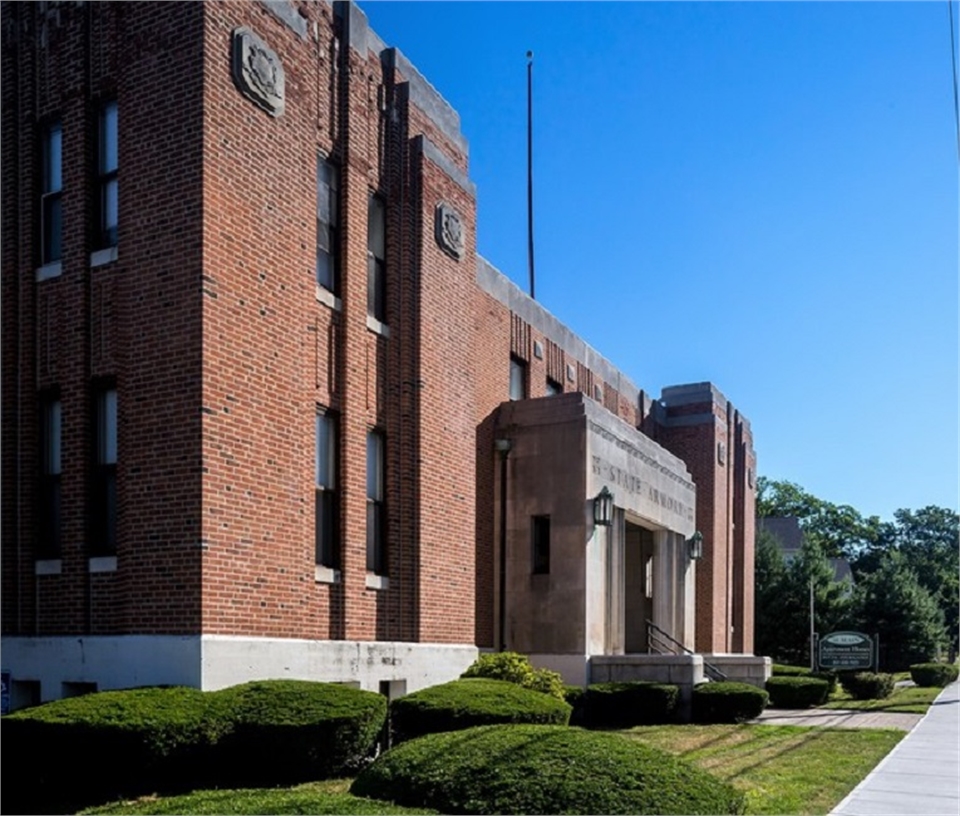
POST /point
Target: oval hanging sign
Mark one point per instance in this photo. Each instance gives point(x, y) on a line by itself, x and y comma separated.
point(846, 650)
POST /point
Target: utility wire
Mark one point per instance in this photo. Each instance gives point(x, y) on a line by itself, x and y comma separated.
point(953, 63)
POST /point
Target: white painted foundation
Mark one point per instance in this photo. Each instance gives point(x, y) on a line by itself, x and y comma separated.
point(214, 661)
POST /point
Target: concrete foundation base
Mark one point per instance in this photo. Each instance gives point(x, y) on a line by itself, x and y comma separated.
point(743, 668)
point(49, 668)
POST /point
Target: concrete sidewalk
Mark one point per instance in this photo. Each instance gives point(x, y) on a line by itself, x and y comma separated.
point(921, 775)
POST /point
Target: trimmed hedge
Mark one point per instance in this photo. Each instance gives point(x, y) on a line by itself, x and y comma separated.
point(168, 740)
point(515, 668)
point(624, 705)
point(868, 685)
point(288, 731)
point(727, 702)
point(797, 692)
point(542, 769)
point(831, 676)
point(934, 674)
point(466, 703)
point(576, 696)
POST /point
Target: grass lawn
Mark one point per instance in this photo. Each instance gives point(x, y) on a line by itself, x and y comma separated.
point(314, 797)
point(783, 769)
point(904, 700)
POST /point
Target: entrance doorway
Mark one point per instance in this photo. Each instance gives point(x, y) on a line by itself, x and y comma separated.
point(639, 586)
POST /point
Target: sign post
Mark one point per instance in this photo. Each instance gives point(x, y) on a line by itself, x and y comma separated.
point(845, 651)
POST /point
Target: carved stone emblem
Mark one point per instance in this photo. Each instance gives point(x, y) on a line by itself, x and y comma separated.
point(449, 230)
point(257, 71)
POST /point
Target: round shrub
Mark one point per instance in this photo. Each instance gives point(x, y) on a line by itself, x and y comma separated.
point(624, 705)
point(830, 675)
point(542, 769)
point(934, 674)
point(516, 668)
point(868, 685)
point(150, 739)
point(466, 703)
point(797, 692)
point(575, 697)
point(784, 670)
point(296, 730)
point(727, 702)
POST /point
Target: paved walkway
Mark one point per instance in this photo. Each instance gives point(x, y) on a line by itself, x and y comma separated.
point(921, 775)
point(838, 718)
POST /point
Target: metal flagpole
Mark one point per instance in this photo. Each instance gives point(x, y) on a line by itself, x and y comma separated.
point(530, 171)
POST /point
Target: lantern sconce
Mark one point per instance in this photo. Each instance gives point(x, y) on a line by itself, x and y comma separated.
point(603, 508)
point(695, 546)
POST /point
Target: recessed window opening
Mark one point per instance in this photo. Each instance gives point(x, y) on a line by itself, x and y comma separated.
point(518, 379)
point(104, 511)
point(48, 544)
point(328, 257)
point(51, 212)
point(107, 165)
point(376, 543)
point(541, 544)
point(376, 258)
point(327, 503)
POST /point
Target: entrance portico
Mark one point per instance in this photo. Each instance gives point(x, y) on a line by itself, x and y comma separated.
point(574, 589)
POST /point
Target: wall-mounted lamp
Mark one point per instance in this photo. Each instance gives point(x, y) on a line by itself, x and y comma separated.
point(695, 546)
point(603, 508)
point(503, 446)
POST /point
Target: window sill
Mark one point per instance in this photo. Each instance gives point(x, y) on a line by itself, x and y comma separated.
point(327, 298)
point(377, 327)
point(47, 566)
point(50, 270)
point(103, 563)
point(103, 256)
point(326, 575)
point(375, 581)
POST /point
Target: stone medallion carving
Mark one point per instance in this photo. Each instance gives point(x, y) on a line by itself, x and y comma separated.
point(450, 230)
point(257, 71)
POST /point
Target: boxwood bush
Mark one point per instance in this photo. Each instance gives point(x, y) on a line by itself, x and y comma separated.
point(727, 702)
point(287, 731)
point(82, 750)
point(576, 698)
point(868, 685)
point(515, 668)
point(542, 769)
point(101, 746)
point(466, 703)
point(797, 692)
point(624, 705)
point(782, 670)
point(934, 674)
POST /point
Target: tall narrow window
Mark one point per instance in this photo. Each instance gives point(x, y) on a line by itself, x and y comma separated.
point(518, 379)
point(104, 512)
point(107, 175)
point(327, 500)
point(541, 544)
point(48, 544)
point(376, 544)
point(51, 215)
point(553, 388)
point(328, 266)
point(376, 255)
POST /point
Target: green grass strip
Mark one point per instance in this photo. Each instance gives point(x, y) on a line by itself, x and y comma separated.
point(328, 797)
point(782, 769)
point(904, 700)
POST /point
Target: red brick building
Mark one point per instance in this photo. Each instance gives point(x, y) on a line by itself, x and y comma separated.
point(254, 372)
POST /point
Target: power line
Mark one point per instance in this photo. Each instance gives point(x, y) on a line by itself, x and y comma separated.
point(953, 64)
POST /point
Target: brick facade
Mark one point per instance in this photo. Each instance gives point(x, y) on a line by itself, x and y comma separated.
point(208, 321)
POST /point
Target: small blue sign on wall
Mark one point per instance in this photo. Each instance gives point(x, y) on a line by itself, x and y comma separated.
point(5, 692)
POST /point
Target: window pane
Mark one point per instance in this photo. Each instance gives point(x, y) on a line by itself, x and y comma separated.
point(553, 388)
point(375, 545)
point(376, 227)
point(375, 296)
point(541, 544)
point(518, 380)
point(108, 138)
point(110, 511)
point(326, 452)
point(326, 529)
point(51, 440)
point(110, 211)
point(107, 430)
point(52, 160)
point(374, 466)
point(52, 227)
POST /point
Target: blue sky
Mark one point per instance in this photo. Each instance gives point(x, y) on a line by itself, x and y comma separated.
point(763, 195)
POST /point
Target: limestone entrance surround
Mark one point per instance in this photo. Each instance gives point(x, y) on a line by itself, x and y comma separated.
point(602, 581)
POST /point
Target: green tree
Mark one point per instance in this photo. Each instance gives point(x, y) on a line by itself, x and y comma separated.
point(782, 600)
point(929, 542)
point(839, 529)
point(891, 602)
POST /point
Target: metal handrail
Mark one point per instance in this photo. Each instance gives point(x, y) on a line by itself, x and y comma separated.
point(658, 640)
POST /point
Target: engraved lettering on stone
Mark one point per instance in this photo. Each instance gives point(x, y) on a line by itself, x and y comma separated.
point(638, 454)
point(449, 230)
point(257, 72)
